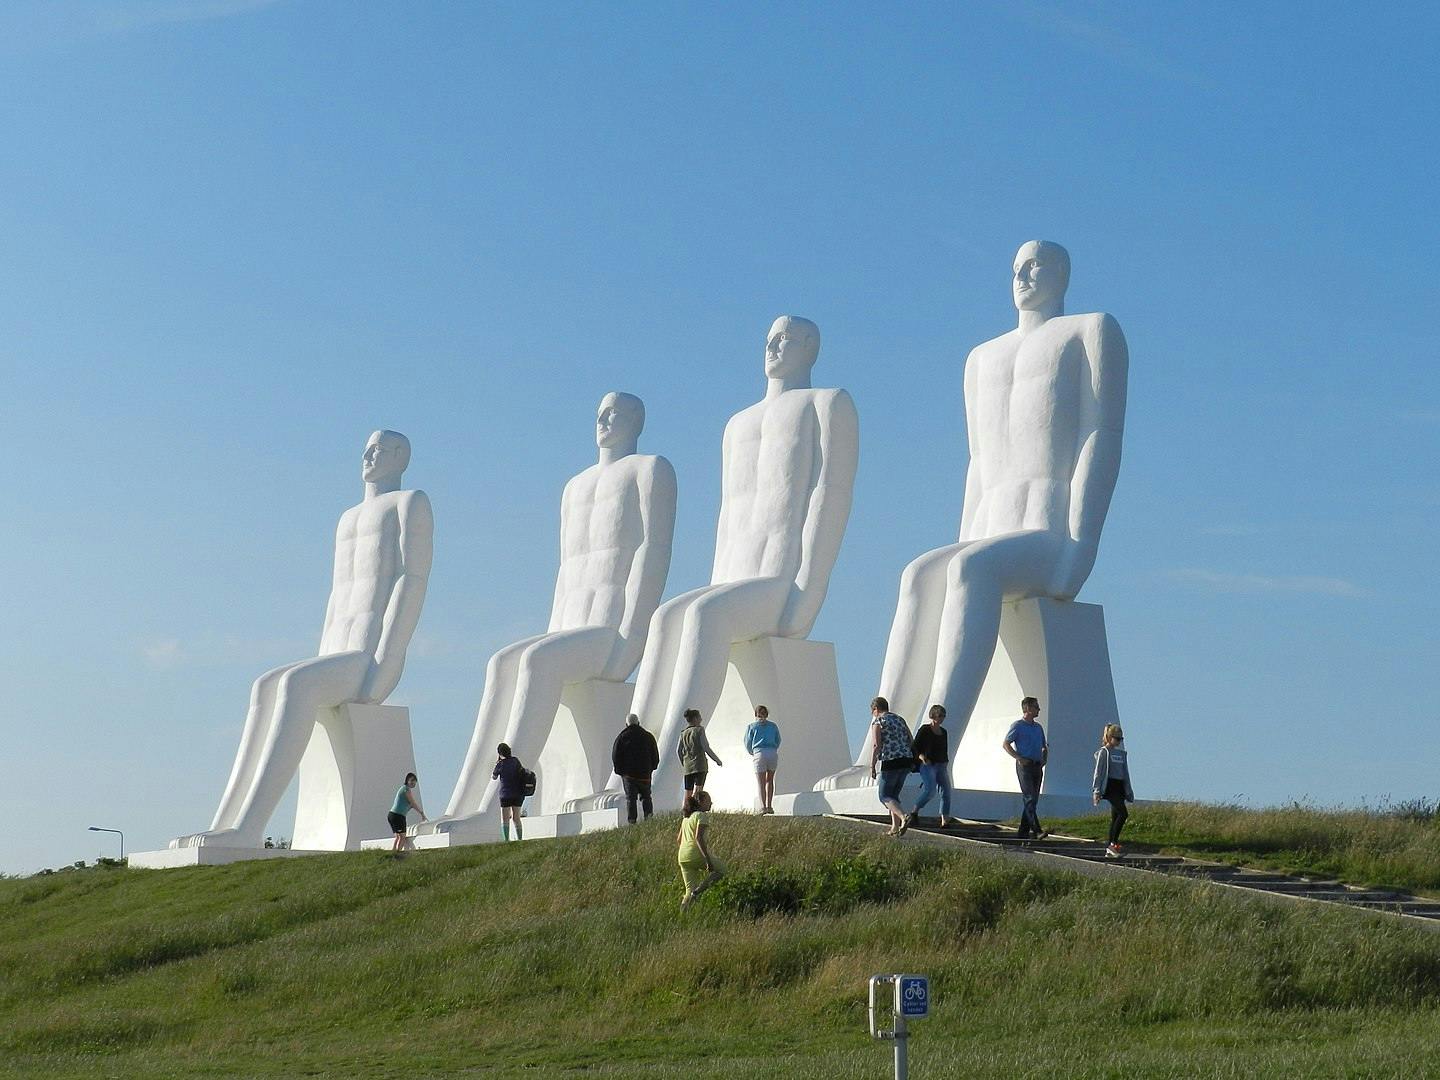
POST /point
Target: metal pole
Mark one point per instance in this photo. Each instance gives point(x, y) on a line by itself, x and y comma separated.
point(902, 1044)
point(96, 828)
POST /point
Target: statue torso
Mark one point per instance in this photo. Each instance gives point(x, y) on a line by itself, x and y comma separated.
point(601, 530)
point(1032, 408)
point(772, 463)
point(368, 561)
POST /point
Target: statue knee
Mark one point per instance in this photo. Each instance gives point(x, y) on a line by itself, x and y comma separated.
point(965, 570)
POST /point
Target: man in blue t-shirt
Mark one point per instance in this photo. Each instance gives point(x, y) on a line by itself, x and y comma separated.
point(1025, 742)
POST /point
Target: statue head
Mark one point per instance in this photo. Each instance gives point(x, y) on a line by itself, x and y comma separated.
point(1040, 276)
point(387, 453)
point(792, 346)
point(619, 420)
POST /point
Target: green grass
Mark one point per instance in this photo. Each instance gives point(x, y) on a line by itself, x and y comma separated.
point(571, 958)
point(1398, 848)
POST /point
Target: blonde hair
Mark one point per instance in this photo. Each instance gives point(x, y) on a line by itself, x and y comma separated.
point(1112, 731)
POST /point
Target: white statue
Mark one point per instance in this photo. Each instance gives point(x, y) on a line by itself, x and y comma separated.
point(617, 520)
point(788, 471)
point(382, 564)
point(1045, 410)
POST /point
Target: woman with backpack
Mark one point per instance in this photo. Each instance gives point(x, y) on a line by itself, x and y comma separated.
point(511, 775)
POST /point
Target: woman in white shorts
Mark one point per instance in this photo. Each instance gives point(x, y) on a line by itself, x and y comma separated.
point(762, 743)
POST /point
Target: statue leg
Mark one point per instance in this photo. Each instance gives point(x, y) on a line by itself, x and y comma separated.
point(252, 742)
point(565, 656)
point(657, 664)
point(721, 616)
point(501, 673)
point(303, 691)
point(978, 580)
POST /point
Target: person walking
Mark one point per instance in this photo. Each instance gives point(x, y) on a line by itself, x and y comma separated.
point(1112, 783)
point(894, 753)
point(932, 750)
point(510, 773)
point(699, 869)
point(762, 743)
point(1025, 742)
point(635, 758)
point(405, 801)
point(693, 749)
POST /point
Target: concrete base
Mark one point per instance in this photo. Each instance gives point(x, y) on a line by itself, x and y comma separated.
point(1054, 650)
point(964, 803)
point(169, 858)
point(358, 756)
point(576, 758)
point(797, 681)
point(538, 827)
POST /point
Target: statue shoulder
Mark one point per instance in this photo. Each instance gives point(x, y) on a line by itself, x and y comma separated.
point(653, 467)
point(1002, 345)
point(414, 507)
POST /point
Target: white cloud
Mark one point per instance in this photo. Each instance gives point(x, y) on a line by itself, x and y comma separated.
point(1262, 583)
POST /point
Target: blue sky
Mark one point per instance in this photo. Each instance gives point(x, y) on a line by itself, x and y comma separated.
point(239, 236)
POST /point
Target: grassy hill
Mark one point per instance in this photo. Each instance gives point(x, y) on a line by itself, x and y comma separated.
point(571, 958)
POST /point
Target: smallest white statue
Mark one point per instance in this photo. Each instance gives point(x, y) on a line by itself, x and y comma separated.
point(382, 566)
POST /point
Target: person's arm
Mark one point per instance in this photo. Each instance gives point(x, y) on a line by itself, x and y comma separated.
point(654, 755)
point(415, 803)
point(1044, 748)
point(704, 847)
point(829, 509)
point(495, 772)
point(705, 745)
point(649, 566)
point(407, 596)
point(1008, 745)
point(1102, 770)
point(874, 748)
point(1098, 461)
point(777, 735)
point(750, 738)
point(922, 745)
point(615, 753)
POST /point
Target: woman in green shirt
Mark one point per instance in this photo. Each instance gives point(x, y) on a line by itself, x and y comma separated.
point(699, 869)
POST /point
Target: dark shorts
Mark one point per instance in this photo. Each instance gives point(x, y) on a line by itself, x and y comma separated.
point(693, 778)
point(516, 801)
point(892, 780)
point(397, 822)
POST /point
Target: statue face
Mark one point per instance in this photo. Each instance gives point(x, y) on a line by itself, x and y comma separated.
point(790, 348)
point(383, 460)
point(617, 421)
point(1039, 279)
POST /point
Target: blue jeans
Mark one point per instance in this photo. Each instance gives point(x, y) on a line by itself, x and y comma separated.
point(891, 781)
point(932, 777)
point(1030, 774)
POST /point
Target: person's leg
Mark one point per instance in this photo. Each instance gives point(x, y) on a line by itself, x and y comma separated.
point(891, 783)
point(720, 616)
point(760, 786)
point(978, 580)
point(927, 788)
point(252, 741)
point(505, 823)
point(1034, 780)
point(515, 817)
point(768, 790)
point(942, 778)
point(1115, 794)
point(914, 636)
point(1027, 800)
point(303, 690)
point(500, 675)
point(699, 781)
point(631, 793)
point(647, 803)
point(546, 665)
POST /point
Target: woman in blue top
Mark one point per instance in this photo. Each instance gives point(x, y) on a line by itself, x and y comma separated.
point(405, 801)
point(762, 743)
point(508, 771)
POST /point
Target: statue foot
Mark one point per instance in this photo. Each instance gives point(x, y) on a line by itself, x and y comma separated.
point(441, 825)
point(213, 838)
point(600, 800)
point(856, 776)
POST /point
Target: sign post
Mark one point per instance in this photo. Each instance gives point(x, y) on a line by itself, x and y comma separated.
point(910, 1000)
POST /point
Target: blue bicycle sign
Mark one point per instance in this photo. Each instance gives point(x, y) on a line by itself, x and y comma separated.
point(914, 994)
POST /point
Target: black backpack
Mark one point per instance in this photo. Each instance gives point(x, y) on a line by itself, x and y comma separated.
point(527, 780)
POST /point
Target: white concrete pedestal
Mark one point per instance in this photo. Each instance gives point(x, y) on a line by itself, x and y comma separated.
point(797, 681)
point(576, 758)
point(358, 756)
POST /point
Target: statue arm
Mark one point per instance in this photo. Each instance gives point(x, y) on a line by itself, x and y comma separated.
point(649, 566)
point(407, 595)
point(1098, 463)
point(828, 512)
point(557, 603)
point(722, 527)
point(971, 507)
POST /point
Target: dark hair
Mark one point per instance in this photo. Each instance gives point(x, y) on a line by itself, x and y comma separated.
point(411, 776)
point(691, 714)
point(937, 712)
point(503, 749)
point(1029, 701)
point(691, 804)
point(879, 703)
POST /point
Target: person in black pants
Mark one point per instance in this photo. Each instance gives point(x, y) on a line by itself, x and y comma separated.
point(1112, 783)
point(635, 757)
point(1026, 743)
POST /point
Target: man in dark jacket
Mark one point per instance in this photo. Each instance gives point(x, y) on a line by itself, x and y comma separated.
point(635, 758)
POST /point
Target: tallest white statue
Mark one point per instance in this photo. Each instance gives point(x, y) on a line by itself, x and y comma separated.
point(1045, 411)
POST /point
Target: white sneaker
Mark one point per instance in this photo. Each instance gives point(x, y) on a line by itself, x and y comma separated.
point(1112, 851)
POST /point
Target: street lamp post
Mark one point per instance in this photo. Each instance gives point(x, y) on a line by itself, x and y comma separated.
point(97, 828)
